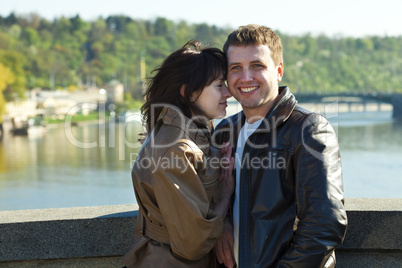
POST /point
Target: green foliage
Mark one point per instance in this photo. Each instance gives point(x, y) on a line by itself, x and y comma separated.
point(71, 52)
point(75, 119)
point(331, 65)
point(6, 78)
point(14, 61)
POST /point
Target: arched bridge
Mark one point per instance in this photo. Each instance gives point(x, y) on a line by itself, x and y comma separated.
point(356, 98)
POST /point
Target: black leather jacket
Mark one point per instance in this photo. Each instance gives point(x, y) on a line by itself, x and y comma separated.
point(291, 194)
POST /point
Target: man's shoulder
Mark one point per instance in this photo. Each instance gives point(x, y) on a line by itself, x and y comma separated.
point(309, 121)
point(302, 116)
point(302, 110)
point(303, 113)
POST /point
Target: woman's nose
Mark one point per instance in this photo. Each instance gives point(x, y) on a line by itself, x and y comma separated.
point(225, 92)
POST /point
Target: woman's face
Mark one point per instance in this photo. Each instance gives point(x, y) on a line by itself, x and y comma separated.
point(212, 100)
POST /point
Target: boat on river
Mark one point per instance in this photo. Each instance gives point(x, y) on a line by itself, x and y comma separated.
point(32, 126)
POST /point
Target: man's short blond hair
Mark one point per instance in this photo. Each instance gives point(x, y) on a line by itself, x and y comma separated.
point(254, 34)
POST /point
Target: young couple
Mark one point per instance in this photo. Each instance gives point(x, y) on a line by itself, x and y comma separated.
point(287, 215)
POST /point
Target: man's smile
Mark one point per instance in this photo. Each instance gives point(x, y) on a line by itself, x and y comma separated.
point(247, 89)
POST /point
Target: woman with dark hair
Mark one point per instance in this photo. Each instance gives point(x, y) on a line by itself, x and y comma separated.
point(182, 184)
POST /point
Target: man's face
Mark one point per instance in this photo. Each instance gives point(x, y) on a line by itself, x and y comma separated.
point(252, 77)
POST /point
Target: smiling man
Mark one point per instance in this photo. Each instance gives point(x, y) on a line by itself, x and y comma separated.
point(289, 213)
point(253, 78)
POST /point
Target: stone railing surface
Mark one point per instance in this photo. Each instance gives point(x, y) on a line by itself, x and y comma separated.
point(99, 236)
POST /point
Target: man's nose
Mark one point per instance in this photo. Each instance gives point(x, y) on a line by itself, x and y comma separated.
point(246, 75)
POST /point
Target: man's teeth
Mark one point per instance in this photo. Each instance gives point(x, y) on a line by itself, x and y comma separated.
point(247, 89)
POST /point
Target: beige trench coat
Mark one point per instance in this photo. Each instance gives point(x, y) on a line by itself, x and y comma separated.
point(175, 180)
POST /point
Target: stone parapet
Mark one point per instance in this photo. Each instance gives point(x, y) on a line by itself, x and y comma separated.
point(80, 236)
point(99, 236)
point(374, 237)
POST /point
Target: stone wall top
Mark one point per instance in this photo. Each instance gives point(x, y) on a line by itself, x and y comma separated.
point(373, 204)
point(73, 213)
point(106, 231)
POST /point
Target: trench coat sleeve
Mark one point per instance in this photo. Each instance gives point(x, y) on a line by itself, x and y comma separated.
point(184, 205)
point(319, 196)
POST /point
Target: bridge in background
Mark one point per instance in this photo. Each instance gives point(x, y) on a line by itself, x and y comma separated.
point(350, 99)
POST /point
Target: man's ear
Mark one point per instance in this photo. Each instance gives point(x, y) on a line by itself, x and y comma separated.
point(280, 71)
point(182, 88)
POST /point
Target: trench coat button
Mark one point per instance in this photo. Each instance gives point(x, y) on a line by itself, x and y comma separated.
point(140, 231)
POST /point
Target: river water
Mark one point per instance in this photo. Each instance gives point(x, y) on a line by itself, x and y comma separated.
point(89, 165)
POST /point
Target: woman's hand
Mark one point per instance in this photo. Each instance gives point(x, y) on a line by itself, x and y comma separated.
point(225, 244)
point(225, 176)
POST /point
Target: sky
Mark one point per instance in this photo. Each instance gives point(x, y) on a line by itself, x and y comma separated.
point(355, 18)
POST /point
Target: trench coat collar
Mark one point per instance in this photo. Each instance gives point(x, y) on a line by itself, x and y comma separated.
point(171, 115)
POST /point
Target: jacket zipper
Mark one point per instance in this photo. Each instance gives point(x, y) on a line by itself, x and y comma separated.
point(243, 189)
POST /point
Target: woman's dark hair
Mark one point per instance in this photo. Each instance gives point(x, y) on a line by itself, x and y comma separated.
point(191, 66)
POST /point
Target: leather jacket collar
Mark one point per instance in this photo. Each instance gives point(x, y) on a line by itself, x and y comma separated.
point(279, 113)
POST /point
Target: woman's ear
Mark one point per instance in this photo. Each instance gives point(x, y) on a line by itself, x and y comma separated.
point(182, 88)
point(182, 93)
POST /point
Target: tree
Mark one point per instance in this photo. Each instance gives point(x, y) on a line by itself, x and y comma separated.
point(14, 61)
point(6, 78)
point(71, 50)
